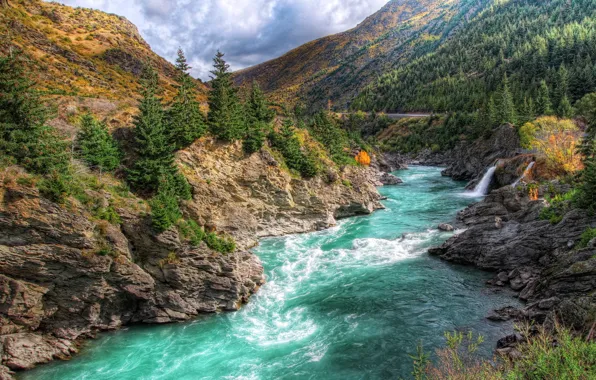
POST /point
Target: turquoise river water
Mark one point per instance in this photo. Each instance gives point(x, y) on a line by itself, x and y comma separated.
point(347, 303)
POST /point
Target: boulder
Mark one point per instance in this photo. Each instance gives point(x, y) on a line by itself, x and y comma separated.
point(389, 179)
point(446, 227)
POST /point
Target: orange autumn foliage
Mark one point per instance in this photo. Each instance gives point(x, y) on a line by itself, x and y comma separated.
point(533, 193)
point(555, 139)
point(363, 158)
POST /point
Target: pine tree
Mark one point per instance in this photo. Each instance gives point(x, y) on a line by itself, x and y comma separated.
point(98, 148)
point(24, 134)
point(493, 115)
point(225, 112)
point(258, 118)
point(506, 108)
point(588, 189)
point(155, 158)
point(527, 113)
point(543, 103)
point(185, 121)
point(565, 109)
point(562, 86)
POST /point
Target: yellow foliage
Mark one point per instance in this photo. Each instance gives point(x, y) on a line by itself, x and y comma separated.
point(363, 158)
point(556, 139)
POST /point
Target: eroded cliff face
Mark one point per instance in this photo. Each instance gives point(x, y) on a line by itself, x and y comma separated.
point(64, 275)
point(252, 196)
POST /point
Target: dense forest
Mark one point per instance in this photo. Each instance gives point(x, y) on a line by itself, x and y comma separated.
point(524, 58)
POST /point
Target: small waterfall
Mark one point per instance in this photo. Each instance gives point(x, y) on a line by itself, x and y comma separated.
point(482, 188)
point(526, 172)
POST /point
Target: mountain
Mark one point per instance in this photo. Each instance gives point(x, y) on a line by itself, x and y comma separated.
point(512, 44)
point(337, 67)
point(80, 53)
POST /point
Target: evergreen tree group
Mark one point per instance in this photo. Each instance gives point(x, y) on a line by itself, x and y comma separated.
point(514, 60)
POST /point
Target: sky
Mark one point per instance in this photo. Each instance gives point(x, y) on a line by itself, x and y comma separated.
point(247, 31)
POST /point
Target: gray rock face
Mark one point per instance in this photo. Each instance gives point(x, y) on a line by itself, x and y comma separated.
point(56, 288)
point(388, 179)
point(469, 160)
point(532, 256)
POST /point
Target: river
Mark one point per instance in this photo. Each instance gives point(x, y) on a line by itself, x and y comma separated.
point(351, 302)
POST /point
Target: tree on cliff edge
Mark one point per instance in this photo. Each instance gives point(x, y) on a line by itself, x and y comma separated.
point(258, 118)
point(184, 119)
point(155, 158)
point(225, 111)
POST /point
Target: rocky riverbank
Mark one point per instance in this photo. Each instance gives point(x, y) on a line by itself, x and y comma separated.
point(65, 275)
point(540, 260)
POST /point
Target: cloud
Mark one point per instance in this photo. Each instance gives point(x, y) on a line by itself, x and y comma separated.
point(248, 31)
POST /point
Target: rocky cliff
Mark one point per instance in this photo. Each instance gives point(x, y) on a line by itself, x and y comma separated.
point(540, 260)
point(66, 275)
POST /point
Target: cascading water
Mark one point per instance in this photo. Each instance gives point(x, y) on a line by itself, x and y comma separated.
point(526, 172)
point(346, 303)
point(482, 188)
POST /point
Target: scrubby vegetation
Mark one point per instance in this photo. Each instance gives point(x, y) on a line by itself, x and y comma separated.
point(544, 355)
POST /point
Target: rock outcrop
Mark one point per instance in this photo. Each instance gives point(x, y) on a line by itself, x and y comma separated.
point(469, 160)
point(535, 258)
point(65, 275)
point(253, 197)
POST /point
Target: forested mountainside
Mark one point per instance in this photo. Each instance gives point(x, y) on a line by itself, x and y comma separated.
point(337, 67)
point(79, 51)
point(537, 56)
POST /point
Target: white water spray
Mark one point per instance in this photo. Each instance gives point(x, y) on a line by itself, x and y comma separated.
point(482, 188)
point(526, 172)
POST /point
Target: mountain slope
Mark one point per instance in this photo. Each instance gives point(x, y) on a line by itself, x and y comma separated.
point(529, 41)
point(80, 52)
point(338, 66)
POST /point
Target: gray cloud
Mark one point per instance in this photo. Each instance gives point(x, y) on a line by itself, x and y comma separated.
point(248, 31)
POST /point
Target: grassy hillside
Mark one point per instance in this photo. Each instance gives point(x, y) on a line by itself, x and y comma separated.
point(82, 58)
point(337, 67)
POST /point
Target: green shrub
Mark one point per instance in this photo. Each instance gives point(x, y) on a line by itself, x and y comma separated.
point(191, 231)
point(221, 244)
point(558, 206)
point(587, 237)
point(558, 355)
point(108, 214)
point(55, 187)
point(164, 210)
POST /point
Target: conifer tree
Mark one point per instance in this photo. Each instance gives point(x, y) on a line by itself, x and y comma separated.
point(588, 189)
point(528, 112)
point(493, 115)
point(155, 159)
point(258, 118)
point(98, 148)
point(506, 108)
point(543, 103)
point(565, 109)
point(24, 134)
point(185, 121)
point(225, 112)
point(562, 86)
